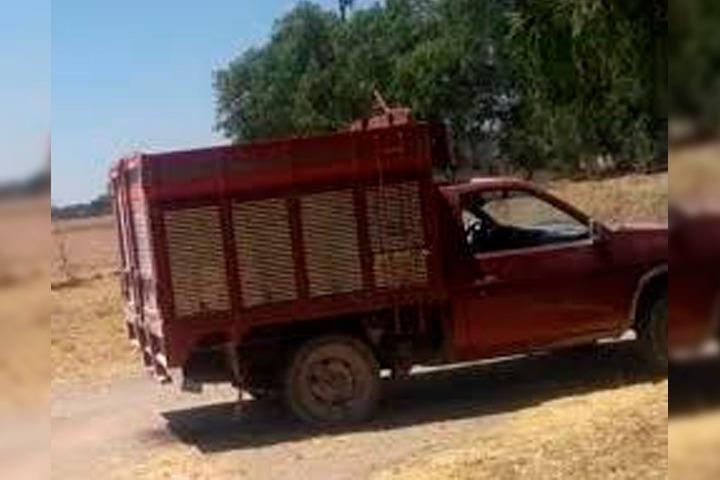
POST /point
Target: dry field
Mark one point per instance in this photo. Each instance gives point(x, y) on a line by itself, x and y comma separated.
point(639, 198)
point(83, 248)
point(24, 337)
point(695, 173)
point(24, 301)
point(88, 337)
point(612, 434)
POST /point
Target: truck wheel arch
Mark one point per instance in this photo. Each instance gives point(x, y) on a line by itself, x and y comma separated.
point(715, 320)
point(646, 287)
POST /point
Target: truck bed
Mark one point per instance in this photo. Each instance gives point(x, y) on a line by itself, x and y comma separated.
point(216, 242)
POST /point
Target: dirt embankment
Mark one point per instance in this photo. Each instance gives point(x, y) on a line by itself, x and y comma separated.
point(612, 434)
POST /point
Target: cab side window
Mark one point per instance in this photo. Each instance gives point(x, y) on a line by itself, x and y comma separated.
point(500, 220)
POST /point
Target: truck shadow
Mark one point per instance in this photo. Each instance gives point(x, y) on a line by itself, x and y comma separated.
point(478, 390)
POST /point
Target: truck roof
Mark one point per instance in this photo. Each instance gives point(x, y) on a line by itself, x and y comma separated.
point(480, 183)
point(453, 192)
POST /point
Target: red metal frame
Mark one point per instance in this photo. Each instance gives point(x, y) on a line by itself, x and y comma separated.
point(286, 169)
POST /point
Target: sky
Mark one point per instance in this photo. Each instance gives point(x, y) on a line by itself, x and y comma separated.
point(133, 75)
point(24, 87)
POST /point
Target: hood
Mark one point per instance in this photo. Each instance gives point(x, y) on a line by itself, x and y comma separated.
point(639, 227)
point(642, 243)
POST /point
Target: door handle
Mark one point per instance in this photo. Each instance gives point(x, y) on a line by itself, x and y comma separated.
point(487, 281)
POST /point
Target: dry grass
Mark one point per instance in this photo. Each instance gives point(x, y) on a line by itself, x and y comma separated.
point(608, 435)
point(615, 434)
point(88, 340)
point(694, 447)
point(179, 462)
point(88, 245)
point(633, 197)
point(24, 240)
point(695, 172)
point(24, 332)
point(24, 302)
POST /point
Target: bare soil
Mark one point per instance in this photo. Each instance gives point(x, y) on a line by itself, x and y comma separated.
point(136, 429)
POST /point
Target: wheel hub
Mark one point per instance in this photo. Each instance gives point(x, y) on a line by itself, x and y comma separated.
point(331, 381)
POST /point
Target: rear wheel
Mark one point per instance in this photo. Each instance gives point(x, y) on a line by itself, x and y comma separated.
point(653, 331)
point(333, 380)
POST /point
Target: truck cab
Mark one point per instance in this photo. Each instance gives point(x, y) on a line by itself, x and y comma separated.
point(531, 271)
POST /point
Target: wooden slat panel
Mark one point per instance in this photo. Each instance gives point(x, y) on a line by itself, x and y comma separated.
point(142, 238)
point(402, 268)
point(395, 217)
point(331, 243)
point(197, 264)
point(264, 250)
point(396, 235)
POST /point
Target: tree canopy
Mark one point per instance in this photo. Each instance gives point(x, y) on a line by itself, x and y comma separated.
point(553, 83)
point(694, 52)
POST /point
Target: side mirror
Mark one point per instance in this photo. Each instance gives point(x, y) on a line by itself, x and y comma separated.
point(598, 232)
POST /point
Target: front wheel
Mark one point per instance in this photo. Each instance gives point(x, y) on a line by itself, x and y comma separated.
point(653, 332)
point(333, 380)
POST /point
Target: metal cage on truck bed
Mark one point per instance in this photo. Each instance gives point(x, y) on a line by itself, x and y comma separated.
point(221, 240)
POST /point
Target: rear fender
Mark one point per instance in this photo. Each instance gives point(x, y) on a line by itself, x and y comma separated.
point(645, 281)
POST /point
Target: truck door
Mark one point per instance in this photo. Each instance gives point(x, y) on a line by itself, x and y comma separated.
point(539, 276)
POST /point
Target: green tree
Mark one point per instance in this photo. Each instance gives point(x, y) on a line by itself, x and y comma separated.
point(317, 73)
point(287, 86)
point(555, 83)
point(586, 78)
point(457, 75)
point(694, 53)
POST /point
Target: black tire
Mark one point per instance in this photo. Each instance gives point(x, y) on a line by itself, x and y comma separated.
point(264, 382)
point(333, 380)
point(715, 320)
point(653, 331)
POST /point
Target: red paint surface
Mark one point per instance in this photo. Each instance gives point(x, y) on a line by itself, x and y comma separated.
point(695, 288)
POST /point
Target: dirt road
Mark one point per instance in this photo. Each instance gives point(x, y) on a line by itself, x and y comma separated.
point(113, 430)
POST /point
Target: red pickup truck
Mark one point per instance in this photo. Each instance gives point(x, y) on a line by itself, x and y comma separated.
point(305, 266)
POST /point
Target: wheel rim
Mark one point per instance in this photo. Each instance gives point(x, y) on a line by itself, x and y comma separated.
point(334, 383)
point(331, 381)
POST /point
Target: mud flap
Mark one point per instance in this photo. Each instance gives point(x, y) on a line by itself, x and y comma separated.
point(239, 379)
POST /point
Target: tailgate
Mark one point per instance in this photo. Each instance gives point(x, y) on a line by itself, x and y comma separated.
point(142, 317)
